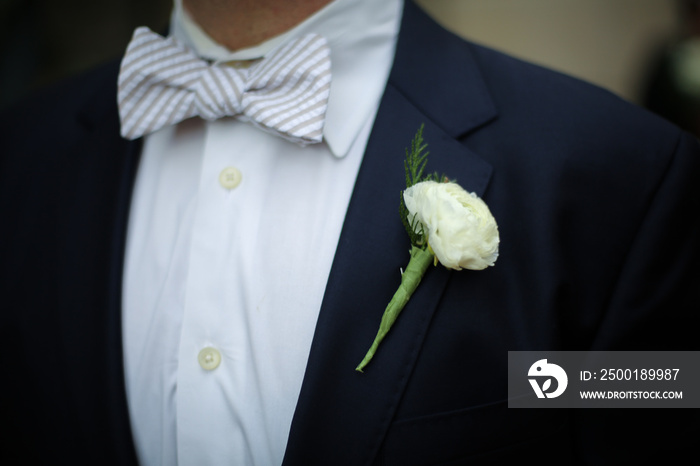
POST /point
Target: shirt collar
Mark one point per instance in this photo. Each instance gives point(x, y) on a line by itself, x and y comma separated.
point(362, 37)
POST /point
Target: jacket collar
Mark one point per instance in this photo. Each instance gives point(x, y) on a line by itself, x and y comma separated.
point(444, 83)
point(343, 415)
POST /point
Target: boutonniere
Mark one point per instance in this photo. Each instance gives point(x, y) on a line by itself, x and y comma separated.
point(445, 224)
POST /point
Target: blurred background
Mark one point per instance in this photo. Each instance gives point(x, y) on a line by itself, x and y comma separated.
point(643, 50)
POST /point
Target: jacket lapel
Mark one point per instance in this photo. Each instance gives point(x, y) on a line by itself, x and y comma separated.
point(118, 410)
point(345, 414)
point(118, 160)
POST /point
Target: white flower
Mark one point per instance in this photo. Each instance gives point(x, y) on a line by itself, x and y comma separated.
point(459, 226)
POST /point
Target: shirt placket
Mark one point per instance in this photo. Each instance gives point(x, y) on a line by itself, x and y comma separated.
point(213, 340)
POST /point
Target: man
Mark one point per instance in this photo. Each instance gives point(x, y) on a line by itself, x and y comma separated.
point(203, 294)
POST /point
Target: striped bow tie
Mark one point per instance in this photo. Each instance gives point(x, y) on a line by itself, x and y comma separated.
point(162, 82)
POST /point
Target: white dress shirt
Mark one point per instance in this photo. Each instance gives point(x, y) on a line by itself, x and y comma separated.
point(231, 238)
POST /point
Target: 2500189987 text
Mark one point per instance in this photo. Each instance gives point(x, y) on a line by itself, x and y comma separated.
point(631, 374)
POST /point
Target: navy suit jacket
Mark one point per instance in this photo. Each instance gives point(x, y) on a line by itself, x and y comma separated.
point(598, 216)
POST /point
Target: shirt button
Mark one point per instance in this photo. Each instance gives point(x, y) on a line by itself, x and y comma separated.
point(209, 358)
point(230, 177)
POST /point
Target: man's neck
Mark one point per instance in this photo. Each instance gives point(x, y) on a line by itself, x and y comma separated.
point(238, 24)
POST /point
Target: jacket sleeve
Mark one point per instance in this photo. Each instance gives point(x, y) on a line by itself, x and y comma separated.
point(656, 307)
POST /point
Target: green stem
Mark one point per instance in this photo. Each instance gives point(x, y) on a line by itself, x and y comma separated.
point(417, 266)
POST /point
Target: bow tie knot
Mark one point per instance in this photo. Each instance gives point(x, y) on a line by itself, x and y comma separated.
point(162, 82)
point(218, 92)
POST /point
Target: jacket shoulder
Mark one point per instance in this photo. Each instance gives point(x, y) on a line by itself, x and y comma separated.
point(555, 100)
point(64, 108)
